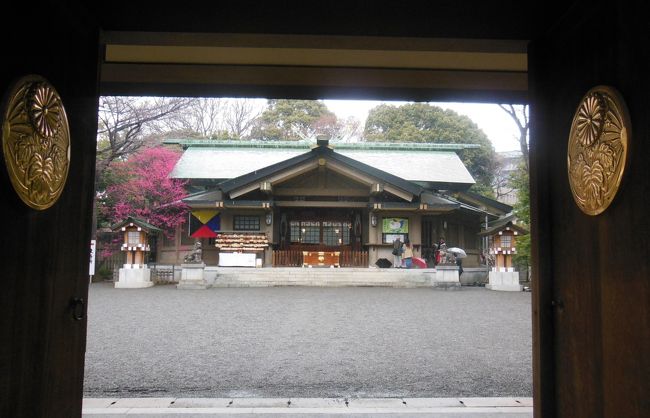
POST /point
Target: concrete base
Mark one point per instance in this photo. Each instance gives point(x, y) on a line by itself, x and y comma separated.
point(133, 277)
point(506, 281)
point(446, 285)
point(447, 273)
point(192, 277)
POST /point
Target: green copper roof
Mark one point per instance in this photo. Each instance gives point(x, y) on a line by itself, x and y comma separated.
point(224, 160)
point(305, 145)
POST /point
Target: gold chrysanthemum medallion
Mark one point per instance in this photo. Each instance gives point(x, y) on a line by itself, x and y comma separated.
point(35, 141)
point(598, 148)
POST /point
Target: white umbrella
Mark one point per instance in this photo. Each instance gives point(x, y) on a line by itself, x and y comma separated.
point(457, 252)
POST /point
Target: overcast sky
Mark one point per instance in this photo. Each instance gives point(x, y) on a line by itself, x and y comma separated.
point(496, 124)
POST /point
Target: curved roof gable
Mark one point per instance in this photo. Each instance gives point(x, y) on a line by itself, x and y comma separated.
point(309, 161)
point(438, 167)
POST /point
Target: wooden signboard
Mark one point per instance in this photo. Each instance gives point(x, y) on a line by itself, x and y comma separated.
point(321, 258)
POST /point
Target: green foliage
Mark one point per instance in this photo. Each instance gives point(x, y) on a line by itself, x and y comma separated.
point(522, 210)
point(483, 190)
point(104, 272)
point(424, 123)
point(521, 183)
point(223, 135)
point(522, 258)
point(291, 120)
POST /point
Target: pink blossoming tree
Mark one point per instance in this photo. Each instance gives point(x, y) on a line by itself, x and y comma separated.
point(142, 188)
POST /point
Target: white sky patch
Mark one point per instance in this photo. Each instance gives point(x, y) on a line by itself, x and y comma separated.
point(497, 124)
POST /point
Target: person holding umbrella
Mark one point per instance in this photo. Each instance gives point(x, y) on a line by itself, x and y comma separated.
point(459, 254)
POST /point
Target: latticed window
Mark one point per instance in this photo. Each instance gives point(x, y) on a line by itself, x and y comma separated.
point(133, 237)
point(294, 231)
point(310, 232)
point(336, 233)
point(347, 227)
point(332, 233)
point(246, 223)
point(506, 241)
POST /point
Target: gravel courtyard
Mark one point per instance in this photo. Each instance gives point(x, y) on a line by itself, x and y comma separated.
point(307, 342)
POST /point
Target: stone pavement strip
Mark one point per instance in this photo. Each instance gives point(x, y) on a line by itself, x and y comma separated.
point(309, 407)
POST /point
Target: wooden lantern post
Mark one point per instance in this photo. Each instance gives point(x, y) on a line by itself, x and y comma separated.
point(135, 273)
point(503, 236)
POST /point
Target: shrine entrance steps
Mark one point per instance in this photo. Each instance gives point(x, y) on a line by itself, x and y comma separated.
point(324, 277)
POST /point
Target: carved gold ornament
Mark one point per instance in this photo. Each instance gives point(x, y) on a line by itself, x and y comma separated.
point(35, 141)
point(598, 147)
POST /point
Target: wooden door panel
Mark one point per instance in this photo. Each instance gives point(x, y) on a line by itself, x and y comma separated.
point(592, 295)
point(45, 253)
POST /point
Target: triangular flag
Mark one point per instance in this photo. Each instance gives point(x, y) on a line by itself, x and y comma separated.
point(204, 215)
point(204, 232)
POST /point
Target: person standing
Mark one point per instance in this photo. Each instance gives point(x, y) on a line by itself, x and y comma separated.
point(441, 251)
point(397, 253)
point(408, 254)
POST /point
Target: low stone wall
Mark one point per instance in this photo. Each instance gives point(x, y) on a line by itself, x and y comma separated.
point(321, 277)
point(168, 273)
point(474, 275)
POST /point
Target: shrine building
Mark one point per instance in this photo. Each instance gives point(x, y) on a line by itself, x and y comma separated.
point(343, 204)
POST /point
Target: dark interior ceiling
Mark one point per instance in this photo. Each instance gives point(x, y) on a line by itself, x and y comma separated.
point(439, 50)
point(487, 19)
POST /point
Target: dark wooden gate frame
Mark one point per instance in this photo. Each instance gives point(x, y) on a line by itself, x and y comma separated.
point(65, 62)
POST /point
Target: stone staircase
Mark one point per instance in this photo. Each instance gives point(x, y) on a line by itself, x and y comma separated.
point(324, 277)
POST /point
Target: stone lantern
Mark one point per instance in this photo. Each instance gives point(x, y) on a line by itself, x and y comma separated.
point(502, 236)
point(135, 273)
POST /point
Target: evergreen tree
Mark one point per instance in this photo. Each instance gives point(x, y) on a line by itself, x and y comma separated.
point(425, 123)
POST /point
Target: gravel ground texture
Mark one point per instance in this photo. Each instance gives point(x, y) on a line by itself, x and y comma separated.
point(307, 342)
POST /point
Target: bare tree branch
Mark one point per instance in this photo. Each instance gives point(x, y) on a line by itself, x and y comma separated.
point(519, 115)
point(125, 123)
point(240, 116)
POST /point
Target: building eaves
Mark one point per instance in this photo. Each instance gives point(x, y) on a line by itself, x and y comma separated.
point(203, 197)
point(475, 197)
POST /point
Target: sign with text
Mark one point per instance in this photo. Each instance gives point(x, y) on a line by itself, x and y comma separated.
point(395, 226)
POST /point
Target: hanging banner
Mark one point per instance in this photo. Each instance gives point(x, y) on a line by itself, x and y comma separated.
point(93, 250)
point(204, 223)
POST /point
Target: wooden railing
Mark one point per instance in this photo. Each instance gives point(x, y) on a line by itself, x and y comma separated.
point(287, 258)
point(293, 258)
point(354, 258)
